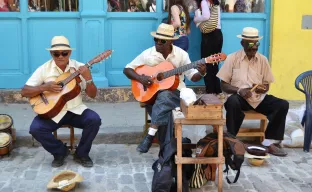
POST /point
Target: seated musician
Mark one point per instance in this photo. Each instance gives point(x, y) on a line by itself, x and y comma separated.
point(240, 73)
point(74, 113)
point(166, 100)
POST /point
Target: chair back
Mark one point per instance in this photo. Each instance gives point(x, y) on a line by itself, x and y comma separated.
point(305, 79)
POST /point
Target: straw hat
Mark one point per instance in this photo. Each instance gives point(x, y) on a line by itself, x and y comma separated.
point(165, 32)
point(59, 43)
point(65, 180)
point(250, 33)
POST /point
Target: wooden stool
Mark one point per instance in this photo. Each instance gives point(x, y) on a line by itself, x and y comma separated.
point(254, 132)
point(180, 120)
point(71, 136)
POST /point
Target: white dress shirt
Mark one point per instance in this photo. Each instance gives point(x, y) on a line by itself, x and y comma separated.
point(178, 57)
point(49, 71)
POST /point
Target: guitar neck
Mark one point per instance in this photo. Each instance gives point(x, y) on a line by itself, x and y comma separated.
point(181, 69)
point(73, 76)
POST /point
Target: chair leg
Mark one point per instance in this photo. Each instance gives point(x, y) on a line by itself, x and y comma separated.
point(145, 122)
point(72, 137)
point(55, 134)
point(263, 124)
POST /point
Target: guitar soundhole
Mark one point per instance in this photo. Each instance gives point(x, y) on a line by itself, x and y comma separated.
point(160, 76)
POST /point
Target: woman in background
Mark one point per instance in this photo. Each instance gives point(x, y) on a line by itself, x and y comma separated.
point(179, 17)
point(211, 43)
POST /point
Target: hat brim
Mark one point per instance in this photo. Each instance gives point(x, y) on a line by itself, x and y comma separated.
point(60, 48)
point(163, 37)
point(241, 37)
point(247, 155)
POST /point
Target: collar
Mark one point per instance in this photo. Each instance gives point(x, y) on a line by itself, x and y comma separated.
point(70, 65)
point(156, 53)
point(243, 55)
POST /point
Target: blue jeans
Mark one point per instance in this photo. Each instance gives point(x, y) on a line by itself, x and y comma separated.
point(161, 113)
point(89, 121)
point(182, 42)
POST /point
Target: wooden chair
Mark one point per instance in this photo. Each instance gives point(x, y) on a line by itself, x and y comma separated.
point(254, 132)
point(71, 136)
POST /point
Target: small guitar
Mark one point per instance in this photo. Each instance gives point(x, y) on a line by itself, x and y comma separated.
point(165, 76)
point(49, 104)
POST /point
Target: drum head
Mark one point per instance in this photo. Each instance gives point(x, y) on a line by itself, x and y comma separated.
point(5, 139)
point(6, 121)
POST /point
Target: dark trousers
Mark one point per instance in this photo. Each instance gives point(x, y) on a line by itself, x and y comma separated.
point(274, 108)
point(211, 44)
point(182, 42)
point(89, 121)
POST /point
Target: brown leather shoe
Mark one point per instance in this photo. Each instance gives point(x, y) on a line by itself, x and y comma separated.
point(277, 150)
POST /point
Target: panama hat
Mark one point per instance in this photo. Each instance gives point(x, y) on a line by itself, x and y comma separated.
point(65, 180)
point(165, 32)
point(59, 43)
point(250, 33)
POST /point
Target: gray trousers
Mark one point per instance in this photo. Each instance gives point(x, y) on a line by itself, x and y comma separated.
point(161, 113)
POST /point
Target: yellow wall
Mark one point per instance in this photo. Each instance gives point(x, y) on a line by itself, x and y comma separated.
point(291, 46)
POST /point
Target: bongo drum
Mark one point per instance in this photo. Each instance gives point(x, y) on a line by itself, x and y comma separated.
point(5, 143)
point(6, 123)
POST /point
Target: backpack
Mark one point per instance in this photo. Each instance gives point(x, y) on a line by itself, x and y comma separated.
point(233, 152)
point(165, 169)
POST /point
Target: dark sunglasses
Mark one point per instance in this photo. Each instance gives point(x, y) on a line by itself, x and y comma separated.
point(250, 45)
point(160, 40)
point(57, 54)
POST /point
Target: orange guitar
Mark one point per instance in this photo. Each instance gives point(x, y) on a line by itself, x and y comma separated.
point(49, 104)
point(165, 76)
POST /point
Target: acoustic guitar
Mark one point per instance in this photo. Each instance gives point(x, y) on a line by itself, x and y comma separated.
point(165, 76)
point(48, 104)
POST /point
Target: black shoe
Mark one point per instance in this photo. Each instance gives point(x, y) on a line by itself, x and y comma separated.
point(145, 144)
point(84, 161)
point(59, 159)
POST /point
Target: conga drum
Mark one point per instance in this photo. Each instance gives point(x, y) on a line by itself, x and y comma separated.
point(6, 123)
point(5, 143)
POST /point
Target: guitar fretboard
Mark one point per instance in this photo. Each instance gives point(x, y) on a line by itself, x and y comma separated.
point(183, 68)
point(72, 76)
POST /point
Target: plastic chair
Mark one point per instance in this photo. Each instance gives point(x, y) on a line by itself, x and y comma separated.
point(305, 79)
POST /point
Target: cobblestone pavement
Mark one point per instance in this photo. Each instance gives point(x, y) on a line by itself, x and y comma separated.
point(121, 168)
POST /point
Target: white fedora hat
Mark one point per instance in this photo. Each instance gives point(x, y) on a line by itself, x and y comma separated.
point(164, 31)
point(59, 43)
point(250, 33)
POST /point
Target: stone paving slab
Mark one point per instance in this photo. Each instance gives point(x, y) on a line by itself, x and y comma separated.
point(118, 167)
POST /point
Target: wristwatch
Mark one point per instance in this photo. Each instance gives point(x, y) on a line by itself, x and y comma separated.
point(89, 81)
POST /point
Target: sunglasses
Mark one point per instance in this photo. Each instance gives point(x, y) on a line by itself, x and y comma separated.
point(57, 54)
point(160, 40)
point(250, 45)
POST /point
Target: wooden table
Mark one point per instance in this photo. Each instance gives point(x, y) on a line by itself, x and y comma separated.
point(180, 120)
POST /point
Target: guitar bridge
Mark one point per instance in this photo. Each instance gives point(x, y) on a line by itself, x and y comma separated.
point(44, 99)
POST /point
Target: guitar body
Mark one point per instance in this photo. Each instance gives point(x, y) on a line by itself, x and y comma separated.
point(147, 94)
point(55, 101)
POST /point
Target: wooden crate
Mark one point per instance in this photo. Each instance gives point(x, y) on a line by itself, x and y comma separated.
point(210, 111)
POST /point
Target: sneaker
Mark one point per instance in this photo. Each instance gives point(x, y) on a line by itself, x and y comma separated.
point(145, 144)
point(84, 161)
point(60, 159)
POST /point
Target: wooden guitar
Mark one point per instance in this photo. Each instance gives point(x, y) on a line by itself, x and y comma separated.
point(165, 76)
point(49, 104)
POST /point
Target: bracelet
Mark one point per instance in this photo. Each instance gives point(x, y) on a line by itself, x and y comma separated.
point(203, 75)
point(89, 81)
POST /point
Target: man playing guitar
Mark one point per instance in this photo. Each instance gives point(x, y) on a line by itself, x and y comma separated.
point(74, 113)
point(166, 100)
